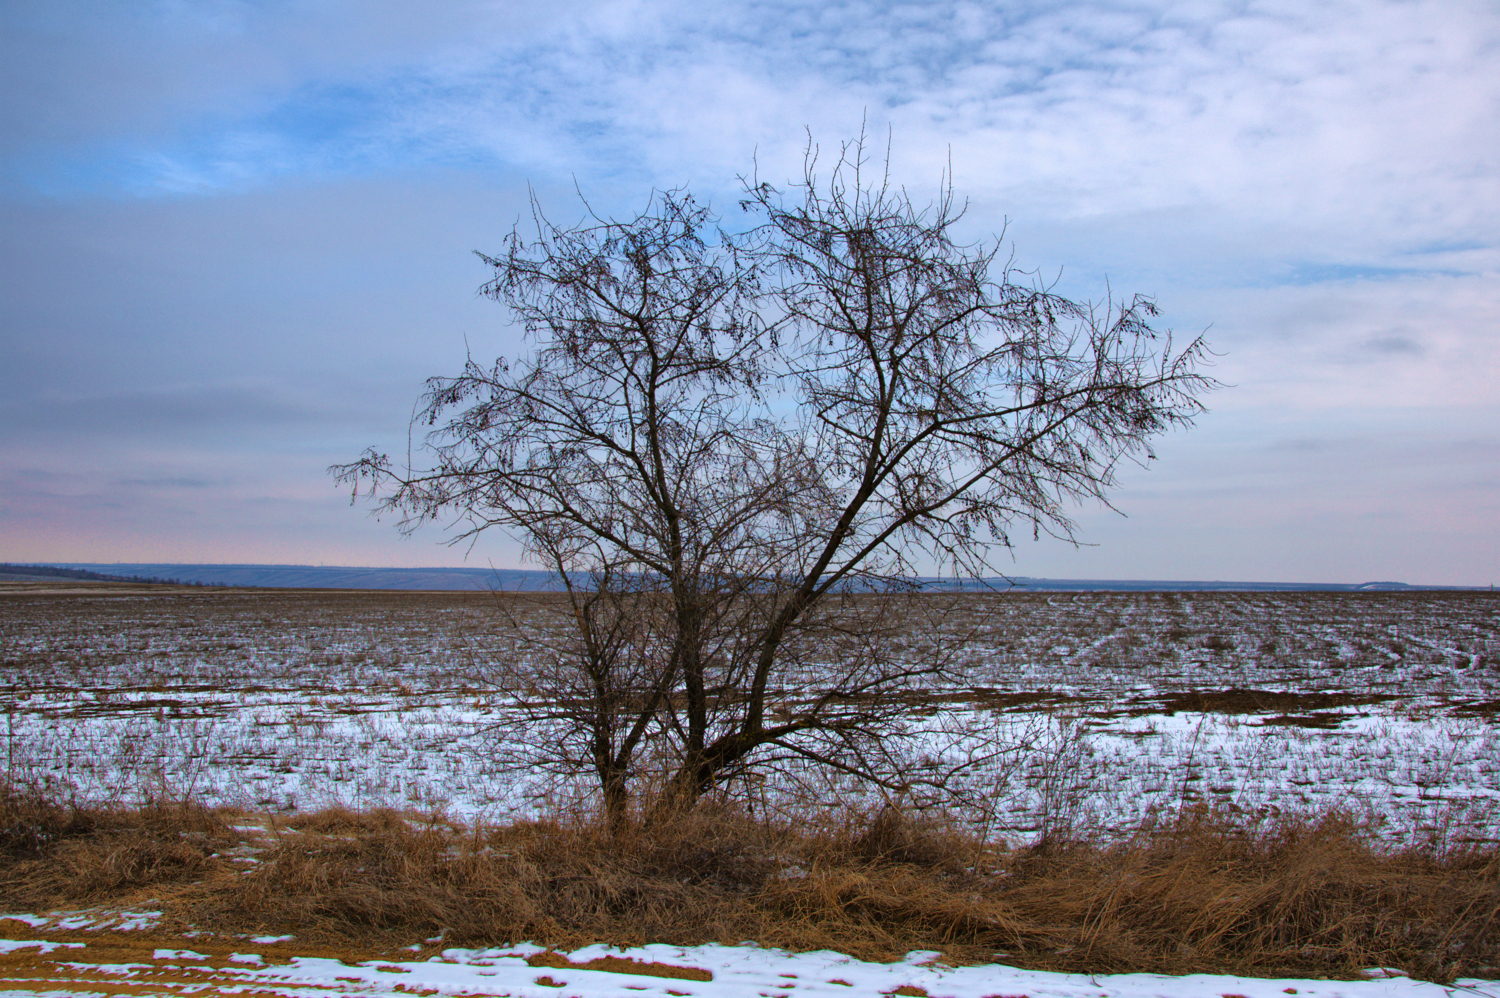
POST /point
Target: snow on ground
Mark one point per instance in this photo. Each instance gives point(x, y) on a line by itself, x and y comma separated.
point(288, 701)
point(658, 971)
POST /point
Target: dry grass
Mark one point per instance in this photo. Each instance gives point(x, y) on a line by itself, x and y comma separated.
point(53, 853)
point(1208, 892)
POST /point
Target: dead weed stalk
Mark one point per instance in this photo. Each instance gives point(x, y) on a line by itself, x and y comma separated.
point(1209, 891)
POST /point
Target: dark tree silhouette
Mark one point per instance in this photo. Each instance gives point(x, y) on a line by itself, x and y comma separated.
point(726, 445)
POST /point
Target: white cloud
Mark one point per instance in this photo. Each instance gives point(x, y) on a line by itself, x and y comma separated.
point(1355, 128)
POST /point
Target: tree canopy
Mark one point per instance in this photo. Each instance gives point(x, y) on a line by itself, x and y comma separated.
point(724, 443)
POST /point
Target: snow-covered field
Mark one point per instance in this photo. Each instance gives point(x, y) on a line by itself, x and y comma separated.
point(274, 967)
point(1118, 702)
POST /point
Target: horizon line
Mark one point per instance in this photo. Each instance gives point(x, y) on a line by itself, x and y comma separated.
point(1013, 580)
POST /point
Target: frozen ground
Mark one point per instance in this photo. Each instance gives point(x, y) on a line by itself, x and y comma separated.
point(274, 967)
point(1119, 703)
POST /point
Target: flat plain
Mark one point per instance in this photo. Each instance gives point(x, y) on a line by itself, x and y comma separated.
point(1119, 704)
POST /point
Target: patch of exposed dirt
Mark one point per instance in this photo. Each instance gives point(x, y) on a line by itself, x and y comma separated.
point(1243, 701)
point(1477, 708)
point(621, 965)
point(1323, 720)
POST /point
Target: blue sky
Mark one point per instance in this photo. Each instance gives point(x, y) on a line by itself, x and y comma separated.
point(236, 238)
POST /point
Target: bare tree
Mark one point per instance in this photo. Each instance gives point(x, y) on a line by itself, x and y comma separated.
point(588, 674)
point(756, 433)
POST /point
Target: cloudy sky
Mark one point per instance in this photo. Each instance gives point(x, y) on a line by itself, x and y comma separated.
point(236, 238)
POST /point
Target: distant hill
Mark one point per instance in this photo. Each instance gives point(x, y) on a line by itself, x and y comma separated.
point(472, 579)
point(1166, 585)
point(332, 577)
point(48, 573)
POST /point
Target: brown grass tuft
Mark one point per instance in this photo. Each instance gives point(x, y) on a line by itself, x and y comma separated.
point(1209, 892)
point(56, 853)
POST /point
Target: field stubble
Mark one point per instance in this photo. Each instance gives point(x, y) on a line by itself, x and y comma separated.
point(1119, 706)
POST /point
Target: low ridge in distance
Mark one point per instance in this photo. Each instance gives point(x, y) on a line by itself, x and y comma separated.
point(471, 579)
